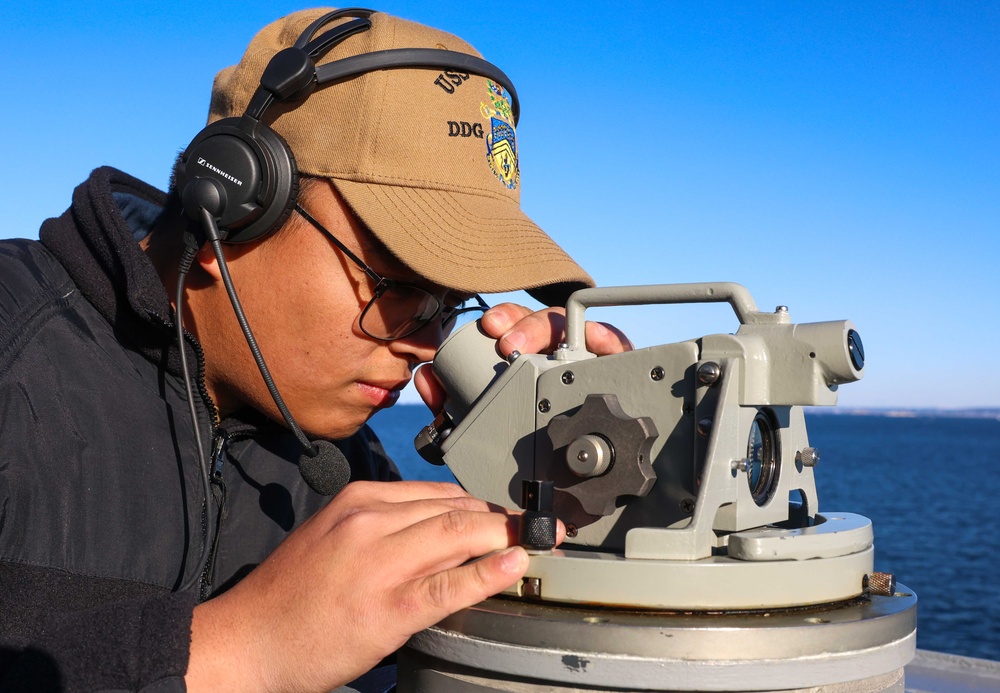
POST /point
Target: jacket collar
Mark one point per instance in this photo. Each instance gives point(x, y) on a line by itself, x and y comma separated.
point(98, 247)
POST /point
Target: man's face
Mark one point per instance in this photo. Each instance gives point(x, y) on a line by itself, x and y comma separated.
point(303, 298)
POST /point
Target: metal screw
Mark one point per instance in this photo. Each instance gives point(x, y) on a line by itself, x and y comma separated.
point(544, 406)
point(709, 373)
point(740, 465)
point(513, 356)
point(781, 309)
point(571, 531)
point(807, 457)
point(687, 506)
point(656, 374)
point(568, 378)
point(704, 427)
point(564, 345)
point(583, 456)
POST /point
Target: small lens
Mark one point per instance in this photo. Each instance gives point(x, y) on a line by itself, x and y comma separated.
point(763, 459)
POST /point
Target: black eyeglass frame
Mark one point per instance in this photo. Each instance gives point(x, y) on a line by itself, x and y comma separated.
point(383, 284)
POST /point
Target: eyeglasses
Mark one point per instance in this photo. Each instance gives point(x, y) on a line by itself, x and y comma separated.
point(397, 309)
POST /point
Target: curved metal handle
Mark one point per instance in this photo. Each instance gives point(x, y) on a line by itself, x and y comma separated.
point(703, 292)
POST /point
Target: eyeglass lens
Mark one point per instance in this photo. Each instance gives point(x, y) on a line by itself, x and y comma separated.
point(398, 310)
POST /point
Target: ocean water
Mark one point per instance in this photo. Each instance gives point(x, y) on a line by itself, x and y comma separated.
point(931, 486)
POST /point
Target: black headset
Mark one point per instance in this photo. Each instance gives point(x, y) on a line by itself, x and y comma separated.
point(253, 177)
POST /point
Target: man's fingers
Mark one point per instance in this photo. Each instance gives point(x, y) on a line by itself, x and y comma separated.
point(370, 496)
point(517, 328)
point(501, 318)
point(361, 492)
point(444, 593)
point(604, 339)
point(451, 538)
point(429, 387)
point(528, 332)
point(389, 519)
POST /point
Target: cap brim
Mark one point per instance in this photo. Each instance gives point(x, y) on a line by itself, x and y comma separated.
point(464, 241)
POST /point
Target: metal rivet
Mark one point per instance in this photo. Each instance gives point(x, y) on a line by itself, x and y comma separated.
point(568, 378)
point(704, 427)
point(656, 373)
point(781, 309)
point(544, 406)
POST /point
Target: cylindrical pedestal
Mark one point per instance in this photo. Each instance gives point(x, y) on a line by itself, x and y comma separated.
point(524, 647)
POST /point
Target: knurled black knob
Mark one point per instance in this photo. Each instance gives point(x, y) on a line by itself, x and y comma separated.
point(538, 522)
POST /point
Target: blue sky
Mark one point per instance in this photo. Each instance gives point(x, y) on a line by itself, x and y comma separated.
point(839, 158)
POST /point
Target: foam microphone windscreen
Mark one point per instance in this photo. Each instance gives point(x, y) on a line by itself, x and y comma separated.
point(328, 471)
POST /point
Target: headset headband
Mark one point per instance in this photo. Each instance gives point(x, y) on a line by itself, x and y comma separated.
point(292, 73)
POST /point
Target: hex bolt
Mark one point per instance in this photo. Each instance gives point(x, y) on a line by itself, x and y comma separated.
point(709, 373)
point(544, 406)
point(568, 378)
point(656, 374)
point(807, 457)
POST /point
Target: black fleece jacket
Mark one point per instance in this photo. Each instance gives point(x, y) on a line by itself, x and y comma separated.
point(102, 511)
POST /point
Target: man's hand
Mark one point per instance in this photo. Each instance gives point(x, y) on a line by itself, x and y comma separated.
point(382, 561)
point(517, 328)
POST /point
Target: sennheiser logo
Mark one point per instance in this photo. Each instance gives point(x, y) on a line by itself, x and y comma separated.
point(216, 169)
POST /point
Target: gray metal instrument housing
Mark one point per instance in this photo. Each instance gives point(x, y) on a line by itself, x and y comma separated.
point(500, 414)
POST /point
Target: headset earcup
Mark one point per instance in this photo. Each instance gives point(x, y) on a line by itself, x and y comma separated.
point(254, 167)
point(280, 188)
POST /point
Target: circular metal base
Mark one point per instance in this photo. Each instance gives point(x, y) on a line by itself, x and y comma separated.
point(762, 568)
point(540, 647)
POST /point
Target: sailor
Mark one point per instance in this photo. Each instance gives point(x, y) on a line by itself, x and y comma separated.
point(117, 570)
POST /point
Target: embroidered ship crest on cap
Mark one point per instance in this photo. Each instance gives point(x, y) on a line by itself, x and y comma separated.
point(501, 142)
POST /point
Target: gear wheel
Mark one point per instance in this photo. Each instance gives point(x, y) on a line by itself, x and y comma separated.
point(628, 439)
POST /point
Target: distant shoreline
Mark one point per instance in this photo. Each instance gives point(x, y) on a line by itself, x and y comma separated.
point(890, 412)
point(909, 413)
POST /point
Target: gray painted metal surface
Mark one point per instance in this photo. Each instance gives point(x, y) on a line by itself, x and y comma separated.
point(938, 672)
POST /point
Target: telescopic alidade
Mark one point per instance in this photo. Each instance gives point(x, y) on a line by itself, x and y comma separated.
point(696, 556)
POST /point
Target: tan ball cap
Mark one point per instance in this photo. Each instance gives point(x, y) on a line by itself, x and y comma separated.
point(426, 158)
